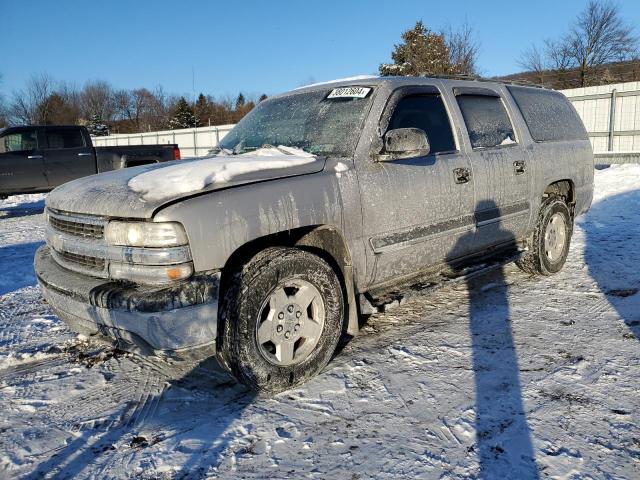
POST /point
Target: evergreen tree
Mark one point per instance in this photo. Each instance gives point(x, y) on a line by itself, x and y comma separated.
point(421, 53)
point(96, 127)
point(240, 101)
point(262, 97)
point(202, 110)
point(183, 116)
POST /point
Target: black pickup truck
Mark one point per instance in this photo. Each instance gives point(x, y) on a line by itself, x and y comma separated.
point(37, 159)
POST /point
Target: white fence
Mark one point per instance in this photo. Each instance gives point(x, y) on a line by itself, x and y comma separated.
point(193, 142)
point(611, 114)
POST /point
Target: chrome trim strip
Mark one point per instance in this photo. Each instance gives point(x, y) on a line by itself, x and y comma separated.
point(421, 233)
point(75, 217)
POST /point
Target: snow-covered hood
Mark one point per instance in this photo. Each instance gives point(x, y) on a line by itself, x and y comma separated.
point(139, 192)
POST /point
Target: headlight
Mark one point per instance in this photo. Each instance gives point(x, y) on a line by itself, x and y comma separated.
point(145, 234)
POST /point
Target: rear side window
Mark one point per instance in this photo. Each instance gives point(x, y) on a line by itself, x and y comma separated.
point(19, 142)
point(428, 113)
point(487, 121)
point(548, 114)
point(64, 138)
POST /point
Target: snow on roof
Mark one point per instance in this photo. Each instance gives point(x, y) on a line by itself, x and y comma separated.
point(346, 79)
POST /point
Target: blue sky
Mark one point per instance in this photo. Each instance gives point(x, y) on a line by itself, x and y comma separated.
point(252, 46)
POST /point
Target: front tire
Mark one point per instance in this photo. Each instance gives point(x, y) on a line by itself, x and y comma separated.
point(548, 246)
point(281, 319)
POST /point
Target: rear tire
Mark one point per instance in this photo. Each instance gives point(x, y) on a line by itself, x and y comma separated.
point(548, 245)
point(281, 319)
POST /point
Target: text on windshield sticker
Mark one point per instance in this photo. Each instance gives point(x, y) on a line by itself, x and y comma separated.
point(349, 92)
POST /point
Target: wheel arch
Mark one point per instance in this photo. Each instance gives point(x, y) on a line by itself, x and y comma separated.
point(564, 188)
point(326, 241)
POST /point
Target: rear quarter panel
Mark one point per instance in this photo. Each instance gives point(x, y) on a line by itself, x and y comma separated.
point(565, 160)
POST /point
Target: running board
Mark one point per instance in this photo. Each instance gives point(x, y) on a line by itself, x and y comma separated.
point(385, 300)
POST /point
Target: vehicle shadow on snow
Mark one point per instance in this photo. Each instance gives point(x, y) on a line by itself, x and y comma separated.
point(16, 265)
point(189, 412)
point(612, 254)
point(35, 207)
point(503, 437)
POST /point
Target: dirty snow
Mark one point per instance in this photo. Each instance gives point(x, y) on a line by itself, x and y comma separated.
point(505, 377)
point(191, 176)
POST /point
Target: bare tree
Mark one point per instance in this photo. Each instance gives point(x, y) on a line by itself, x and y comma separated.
point(558, 55)
point(97, 99)
point(464, 48)
point(598, 36)
point(532, 60)
point(142, 109)
point(29, 105)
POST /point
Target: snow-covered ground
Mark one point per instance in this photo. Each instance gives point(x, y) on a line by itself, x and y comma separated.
point(508, 377)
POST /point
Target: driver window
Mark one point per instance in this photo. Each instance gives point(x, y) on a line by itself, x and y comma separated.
point(428, 113)
point(19, 142)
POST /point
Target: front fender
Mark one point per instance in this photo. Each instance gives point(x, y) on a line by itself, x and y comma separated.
point(218, 223)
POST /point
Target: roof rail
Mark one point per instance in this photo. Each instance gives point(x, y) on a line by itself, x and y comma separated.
point(476, 78)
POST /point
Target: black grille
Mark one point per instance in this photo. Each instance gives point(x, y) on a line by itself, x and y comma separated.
point(78, 229)
point(92, 263)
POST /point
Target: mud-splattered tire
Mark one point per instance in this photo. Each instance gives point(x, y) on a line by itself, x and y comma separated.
point(548, 246)
point(281, 292)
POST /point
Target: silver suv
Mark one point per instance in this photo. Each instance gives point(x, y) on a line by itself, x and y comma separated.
point(311, 209)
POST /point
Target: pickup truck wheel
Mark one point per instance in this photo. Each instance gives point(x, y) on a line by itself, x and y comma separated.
point(281, 319)
point(548, 246)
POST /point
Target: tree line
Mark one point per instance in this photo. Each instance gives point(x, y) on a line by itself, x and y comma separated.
point(581, 57)
point(598, 42)
point(105, 109)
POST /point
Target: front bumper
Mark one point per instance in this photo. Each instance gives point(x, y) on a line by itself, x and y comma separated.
point(179, 319)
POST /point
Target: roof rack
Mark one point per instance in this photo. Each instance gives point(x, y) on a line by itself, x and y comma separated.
point(464, 76)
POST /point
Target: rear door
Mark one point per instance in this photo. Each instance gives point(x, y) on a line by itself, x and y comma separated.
point(67, 155)
point(500, 166)
point(21, 161)
point(415, 210)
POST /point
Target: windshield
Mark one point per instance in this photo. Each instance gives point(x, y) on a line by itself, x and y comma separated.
point(319, 122)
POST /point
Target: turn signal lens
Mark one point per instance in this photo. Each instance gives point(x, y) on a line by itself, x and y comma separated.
point(150, 274)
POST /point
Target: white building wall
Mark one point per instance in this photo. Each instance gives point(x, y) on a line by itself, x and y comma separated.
point(193, 142)
point(594, 107)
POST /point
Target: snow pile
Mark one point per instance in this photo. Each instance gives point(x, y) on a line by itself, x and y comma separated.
point(23, 202)
point(615, 180)
point(187, 177)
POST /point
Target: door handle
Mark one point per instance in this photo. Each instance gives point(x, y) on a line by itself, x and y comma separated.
point(85, 154)
point(519, 166)
point(461, 175)
point(34, 157)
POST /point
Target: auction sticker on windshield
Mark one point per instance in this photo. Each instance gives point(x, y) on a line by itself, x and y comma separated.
point(349, 92)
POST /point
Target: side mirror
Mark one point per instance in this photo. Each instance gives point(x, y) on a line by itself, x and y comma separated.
point(405, 143)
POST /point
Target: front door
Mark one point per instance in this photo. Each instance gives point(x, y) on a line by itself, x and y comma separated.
point(415, 210)
point(21, 161)
point(67, 155)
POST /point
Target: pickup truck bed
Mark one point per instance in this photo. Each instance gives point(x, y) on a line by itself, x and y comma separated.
point(39, 158)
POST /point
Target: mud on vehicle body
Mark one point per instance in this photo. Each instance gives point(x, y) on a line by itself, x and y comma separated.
point(314, 205)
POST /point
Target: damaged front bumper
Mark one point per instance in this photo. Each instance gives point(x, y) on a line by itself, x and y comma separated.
point(178, 320)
